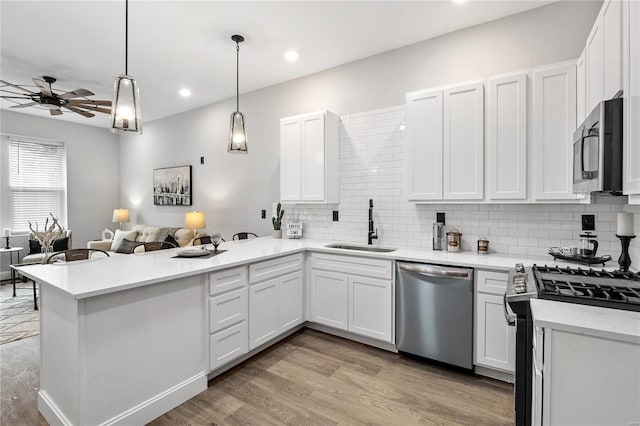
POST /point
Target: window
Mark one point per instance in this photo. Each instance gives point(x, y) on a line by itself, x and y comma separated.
point(37, 183)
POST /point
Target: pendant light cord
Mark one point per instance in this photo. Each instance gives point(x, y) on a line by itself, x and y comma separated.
point(237, 76)
point(126, 37)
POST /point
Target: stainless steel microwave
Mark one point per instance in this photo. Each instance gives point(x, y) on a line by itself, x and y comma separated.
point(597, 150)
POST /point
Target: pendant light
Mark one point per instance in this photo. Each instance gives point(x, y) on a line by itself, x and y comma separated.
point(125, 108)
point(237, 132)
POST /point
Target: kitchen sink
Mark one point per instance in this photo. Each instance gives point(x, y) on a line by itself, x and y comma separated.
point(359, 247)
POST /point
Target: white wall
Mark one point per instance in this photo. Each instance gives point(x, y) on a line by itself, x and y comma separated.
point(232, 188)
point(93, 173)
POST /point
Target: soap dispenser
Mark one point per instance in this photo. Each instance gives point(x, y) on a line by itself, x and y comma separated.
point(438, 232)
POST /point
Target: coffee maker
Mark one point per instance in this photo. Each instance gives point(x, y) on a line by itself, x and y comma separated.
point(588, 244)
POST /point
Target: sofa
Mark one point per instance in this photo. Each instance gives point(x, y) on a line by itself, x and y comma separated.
point(143, 234)
point(35, 257)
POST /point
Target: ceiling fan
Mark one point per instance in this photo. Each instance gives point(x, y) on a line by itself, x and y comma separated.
point(47, 98)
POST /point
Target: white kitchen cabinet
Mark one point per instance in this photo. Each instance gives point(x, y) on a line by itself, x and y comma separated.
point(595, 65)
point(631, 165)
point(424, 135)
point(554, 120)
point(309, 157)
point(507, 137)
point(228, 309)
point(581, 88)
point(290, 299)
point(370, 307)
point(463, 152)
point(228, 345)
point(495, 340)
point(330, 298)
point(263, 312)
point(573, 391)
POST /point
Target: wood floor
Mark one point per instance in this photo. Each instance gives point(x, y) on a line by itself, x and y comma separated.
point(308, 379)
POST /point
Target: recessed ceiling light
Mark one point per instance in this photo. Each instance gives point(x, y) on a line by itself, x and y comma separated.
point(291, 55)
point(185, 93)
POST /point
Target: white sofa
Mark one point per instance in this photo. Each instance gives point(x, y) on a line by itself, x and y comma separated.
point(147, 234)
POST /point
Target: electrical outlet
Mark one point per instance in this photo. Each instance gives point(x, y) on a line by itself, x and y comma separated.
point(588, 222)
point(264, 214)
point(201, 160)
point(440, 218)
point(335, 215)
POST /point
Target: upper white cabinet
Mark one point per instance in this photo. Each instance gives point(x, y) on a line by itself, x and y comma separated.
point(424, 133)
point(446, 143)
point(631, 56)
point(309, 157)
point(604, 55)
point(554, 118)
point(507, 137)
point(581, 92)
point(464, 142)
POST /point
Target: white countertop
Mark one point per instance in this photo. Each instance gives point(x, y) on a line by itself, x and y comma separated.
point(608, 323)
point(82, 279)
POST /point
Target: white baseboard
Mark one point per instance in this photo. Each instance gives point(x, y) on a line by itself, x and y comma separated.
point(351, 336)
point(495, 374)
point(5, 275)
point(140, 414)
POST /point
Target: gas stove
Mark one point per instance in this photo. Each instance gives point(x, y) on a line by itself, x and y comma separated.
point(596, 287)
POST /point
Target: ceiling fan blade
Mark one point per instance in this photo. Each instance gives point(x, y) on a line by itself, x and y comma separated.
point(94, 108)
point(17, 87)
point(89, 102)
point(46, 87)
point(55, 112)
point(76, 94)
point(24, 105)
point(79, 111)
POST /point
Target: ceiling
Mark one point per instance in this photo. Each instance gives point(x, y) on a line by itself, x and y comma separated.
point(186, 44)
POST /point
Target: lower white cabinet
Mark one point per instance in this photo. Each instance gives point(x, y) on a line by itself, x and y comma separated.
point(228, 345)
point(370, 307)
point(275, 306)
point(330, 303)
point(495, 340)
point(227, 309)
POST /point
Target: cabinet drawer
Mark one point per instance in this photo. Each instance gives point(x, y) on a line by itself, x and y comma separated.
point(228, 345)
point(375, 268)
point(273, 268)
point(228, 309)
point(229, 279)
point(491, 282)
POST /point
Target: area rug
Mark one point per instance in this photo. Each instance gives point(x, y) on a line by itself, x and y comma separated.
point(18, 319)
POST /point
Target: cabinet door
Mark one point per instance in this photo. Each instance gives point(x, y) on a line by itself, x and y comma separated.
point(554, 119)
point(424, 135)
point(612, 47)
point(290, 159)
point(263, 312)
point(595, 66)
point(228, 345)
point(370, 306)
point(507, 137)
point(464, 142)
point(632, 100)
point(227, 309)
point(495, 340)
point(291, 300)
point(330, 299)
point(313, 157)
point(581, 88)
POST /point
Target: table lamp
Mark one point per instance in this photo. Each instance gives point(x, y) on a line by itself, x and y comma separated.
point(121, 216)
point(194, 220)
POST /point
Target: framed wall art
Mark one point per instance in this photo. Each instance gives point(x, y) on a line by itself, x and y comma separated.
point(172, 186)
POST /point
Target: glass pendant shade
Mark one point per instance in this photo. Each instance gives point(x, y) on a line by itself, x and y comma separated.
point(237, 134)
point(125, 108)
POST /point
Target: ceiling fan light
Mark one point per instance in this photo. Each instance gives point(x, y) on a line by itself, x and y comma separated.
point(125, 108)
point(237, 134)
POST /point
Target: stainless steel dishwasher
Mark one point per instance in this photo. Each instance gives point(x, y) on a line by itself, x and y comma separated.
point(434, 312)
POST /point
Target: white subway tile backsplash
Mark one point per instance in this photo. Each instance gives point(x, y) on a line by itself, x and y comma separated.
point(373, 158)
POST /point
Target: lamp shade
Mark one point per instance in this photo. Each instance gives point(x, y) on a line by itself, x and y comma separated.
point(237, 134)
point(125, 109)
point(194, 220)
point(121, 215)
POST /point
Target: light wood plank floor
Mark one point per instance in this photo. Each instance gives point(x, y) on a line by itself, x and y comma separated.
point(312, 378)
point(309, 378)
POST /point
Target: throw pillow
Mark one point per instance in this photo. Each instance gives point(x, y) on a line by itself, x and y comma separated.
point(61, 244)
point(35, 247)
point(171, 240)
point(128, 246)
point(121, 235)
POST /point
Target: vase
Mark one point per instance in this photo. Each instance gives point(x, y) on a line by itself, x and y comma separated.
point(277, 233)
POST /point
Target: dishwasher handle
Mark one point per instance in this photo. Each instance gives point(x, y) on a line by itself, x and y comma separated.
point(436, 271)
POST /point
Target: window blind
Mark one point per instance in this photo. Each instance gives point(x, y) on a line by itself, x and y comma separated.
point(37, 183)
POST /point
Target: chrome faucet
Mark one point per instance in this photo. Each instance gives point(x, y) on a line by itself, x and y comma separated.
point(372, 235)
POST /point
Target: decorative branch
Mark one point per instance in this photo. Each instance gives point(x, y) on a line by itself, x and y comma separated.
point(49, 234)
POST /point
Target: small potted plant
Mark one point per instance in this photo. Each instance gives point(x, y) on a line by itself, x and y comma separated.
point(277, 222)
